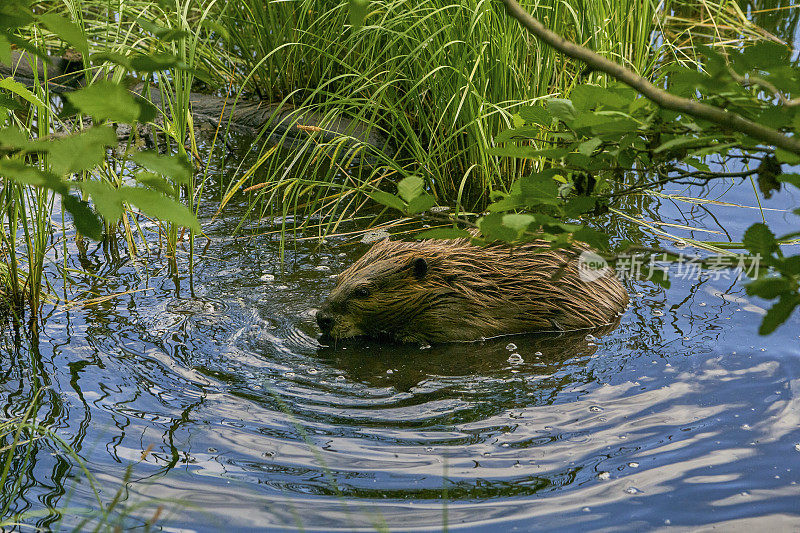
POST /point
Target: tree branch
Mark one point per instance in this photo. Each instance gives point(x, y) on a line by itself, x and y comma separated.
point(723, 118)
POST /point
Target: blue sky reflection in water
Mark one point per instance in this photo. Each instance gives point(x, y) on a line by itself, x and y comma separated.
point(682, 415)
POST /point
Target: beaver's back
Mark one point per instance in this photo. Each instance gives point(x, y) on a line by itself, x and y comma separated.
point(437, 290)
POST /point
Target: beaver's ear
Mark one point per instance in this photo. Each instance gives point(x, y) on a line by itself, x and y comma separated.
point(420, 266)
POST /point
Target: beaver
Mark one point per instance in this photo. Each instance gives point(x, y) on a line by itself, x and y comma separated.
point(433, 291)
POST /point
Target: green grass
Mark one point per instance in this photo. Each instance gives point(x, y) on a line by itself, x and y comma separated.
point(440, 79)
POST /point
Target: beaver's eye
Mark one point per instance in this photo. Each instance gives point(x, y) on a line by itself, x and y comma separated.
point(361, 292)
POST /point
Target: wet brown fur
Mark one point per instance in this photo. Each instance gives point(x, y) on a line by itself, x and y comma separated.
point(444, 291)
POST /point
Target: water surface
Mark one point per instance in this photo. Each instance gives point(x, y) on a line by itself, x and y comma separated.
point(680, 416)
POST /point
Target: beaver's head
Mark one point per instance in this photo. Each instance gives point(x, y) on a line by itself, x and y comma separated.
point(379, 293)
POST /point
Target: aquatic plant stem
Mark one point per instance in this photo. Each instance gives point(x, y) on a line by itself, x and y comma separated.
point(718, 116)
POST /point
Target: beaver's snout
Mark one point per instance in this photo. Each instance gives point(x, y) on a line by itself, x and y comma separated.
point(325, 322)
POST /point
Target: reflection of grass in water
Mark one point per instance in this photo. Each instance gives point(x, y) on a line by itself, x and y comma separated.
point(17, 437)
point(378, 522)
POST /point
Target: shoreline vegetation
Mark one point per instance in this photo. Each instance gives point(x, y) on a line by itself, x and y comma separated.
point(113, 116)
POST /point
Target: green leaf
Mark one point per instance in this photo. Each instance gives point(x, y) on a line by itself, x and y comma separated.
point(587, 148)
point(523, 133)
point(421, 203)
point(787, 157)
point(410, 187)
point(492, 228)
point(764, 55)
point(358, 12)
point(15, 14)
point(540, 188)
point(697, 164)
point(778, 313)
point(106, 199)
point(791, 265)
point(562, 109)
point(794, 179)
point(177, 167)
point(156, 62)
point(592, 237)
point(67, 30)
point(536, 115)
point(508, 203)
point(80, 151)
point(586, 97)
point(768, 288)
point(579, 205)
point(444, 233)
point(656, 275)
point(5, 50)
point(155, 182)
point(387, 199)
point(164, 34)
point(86, 221)
point(28, 175)
point(159, 206)
point(589, 119)
point(518, 222)
point(9, 103)
point(683, 142)
point(20, 90)
point(759, 240)
point(553, 225)
point(112, 57)
point(13, 138)
point(108, 101)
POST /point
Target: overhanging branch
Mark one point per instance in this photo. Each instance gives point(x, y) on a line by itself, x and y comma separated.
point(718, 116)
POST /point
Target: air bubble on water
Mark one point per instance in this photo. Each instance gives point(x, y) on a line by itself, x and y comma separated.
point(504, 445)
point(703, 304)
point(604, 476)
point(586, 509)
point(744, 493)
point(797, 447)
point(390, 371)
point(322, 268)
point(428, 449)
point(289, 374)
point(515, 359)
point(212, 450)
point(425, 347)
point(596, 409)
point(633, 465)
point(590, 338)
point(746, 426)
point(312, 371)
point(538, 354)
point(667, 522)
point(633, 490)
point(511, 346)
point(658, 312)
point(267, 277)
point(680, 244)
point(639, 294)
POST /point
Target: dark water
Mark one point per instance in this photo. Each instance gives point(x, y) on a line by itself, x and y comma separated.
point(681, 416)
